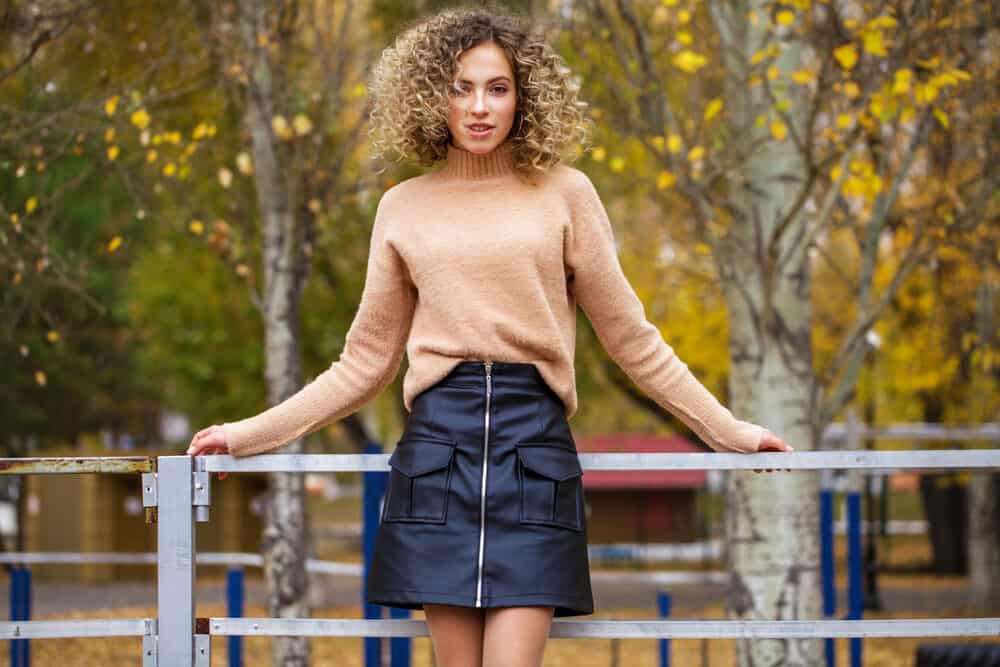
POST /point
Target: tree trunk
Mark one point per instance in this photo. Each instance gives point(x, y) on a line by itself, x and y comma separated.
point(285, 540)
point(772, 535)
point(984, 490)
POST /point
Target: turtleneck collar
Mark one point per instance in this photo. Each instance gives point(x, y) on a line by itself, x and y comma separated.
point(462, 164)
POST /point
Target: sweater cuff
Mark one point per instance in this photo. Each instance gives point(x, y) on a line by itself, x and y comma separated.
point(748, 438)
point(238, 445)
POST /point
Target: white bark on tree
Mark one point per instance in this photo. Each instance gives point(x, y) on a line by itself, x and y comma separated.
point(285, 538)
point(984, 492)
point(772, 535)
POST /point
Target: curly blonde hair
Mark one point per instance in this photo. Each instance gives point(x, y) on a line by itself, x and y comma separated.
point(408, 90)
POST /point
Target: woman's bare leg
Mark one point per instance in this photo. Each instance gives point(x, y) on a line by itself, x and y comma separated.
point(515, 636)
point(456, 634)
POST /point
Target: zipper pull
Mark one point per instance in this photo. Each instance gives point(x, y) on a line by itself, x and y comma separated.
point(489, 365)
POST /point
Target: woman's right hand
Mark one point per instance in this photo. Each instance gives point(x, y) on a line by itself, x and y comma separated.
point(211, 440)
point(769, 442)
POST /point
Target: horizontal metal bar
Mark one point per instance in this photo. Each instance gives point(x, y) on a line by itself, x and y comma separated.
point(50, 465)
point(233, 559)
point(625, 629)
point(71, 558)
point(663, 577)
point(111, 627)
point(918, 431)
point(808, 460)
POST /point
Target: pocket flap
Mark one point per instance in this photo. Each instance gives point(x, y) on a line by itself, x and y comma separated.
point(550, 460)
point(418, 456)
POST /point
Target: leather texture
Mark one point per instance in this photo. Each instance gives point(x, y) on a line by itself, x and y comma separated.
point(534, 533)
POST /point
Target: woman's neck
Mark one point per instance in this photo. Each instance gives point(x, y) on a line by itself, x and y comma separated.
point(462, 164)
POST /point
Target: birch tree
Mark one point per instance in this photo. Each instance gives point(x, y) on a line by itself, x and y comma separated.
point(276, 53)
point(776, 127)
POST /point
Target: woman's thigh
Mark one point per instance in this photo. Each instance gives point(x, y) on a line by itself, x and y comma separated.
point(456, 634)
point(516, 636)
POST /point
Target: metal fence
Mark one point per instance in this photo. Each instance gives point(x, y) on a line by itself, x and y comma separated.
point(178, 493)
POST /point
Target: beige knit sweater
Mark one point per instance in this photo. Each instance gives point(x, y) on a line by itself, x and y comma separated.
point(469, 262)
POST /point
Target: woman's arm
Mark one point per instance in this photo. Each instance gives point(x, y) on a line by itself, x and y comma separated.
point(619, 319)
point(373, 352)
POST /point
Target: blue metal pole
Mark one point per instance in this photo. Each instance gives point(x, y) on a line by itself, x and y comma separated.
point(399, 647)
point(828, 568)
point(855, 571)
point(19, 611)
point(663, 603)
point(234, 609)
point(26, 608)
point(374, 484)
point(12, 611)
point(15, 613)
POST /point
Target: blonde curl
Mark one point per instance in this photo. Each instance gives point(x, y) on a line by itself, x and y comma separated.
point(408, 90)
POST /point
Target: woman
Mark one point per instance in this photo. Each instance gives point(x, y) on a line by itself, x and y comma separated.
point(476, 269)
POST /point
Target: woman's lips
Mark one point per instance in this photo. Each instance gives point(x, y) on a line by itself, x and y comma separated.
point(479, 133)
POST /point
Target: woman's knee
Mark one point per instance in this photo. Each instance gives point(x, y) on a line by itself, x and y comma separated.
point(456, 635)
point(516, 636)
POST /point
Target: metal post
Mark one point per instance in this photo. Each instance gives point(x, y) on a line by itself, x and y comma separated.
point(399, 647)
point(26, 610)
point(855, 570)
point(20, 610)
point(175, 561)
point(14, 606)
point(234, 607)
point(855, 566)
point(663, 602)
point(374, 484)
point(827, 563)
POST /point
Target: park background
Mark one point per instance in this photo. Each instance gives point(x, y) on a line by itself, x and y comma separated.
point(804, 196)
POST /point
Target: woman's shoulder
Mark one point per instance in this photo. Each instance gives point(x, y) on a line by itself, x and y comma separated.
point(572, 182)
point(398, 193)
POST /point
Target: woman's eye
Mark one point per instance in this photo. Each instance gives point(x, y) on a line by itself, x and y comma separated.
point(465, 89)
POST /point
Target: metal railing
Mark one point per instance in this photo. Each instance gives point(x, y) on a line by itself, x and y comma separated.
point(179, 492)
point(145, 628)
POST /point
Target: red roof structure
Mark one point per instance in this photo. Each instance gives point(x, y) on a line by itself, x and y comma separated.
point(639, 479)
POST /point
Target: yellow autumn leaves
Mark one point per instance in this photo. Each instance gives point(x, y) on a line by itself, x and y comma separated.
point(860, 181)
point(689, 61)
point(713, 108)
point(299, 127)
point(872, 40)
point(141, 119)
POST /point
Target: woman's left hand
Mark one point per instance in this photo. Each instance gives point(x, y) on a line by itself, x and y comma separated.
point(210, 440)
point(769, 442)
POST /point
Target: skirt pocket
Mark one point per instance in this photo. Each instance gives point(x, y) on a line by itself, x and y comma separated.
point(550, 483)
point(419, 481)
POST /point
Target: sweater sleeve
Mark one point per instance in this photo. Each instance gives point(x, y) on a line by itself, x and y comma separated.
point(372, 354)
point(619, 320)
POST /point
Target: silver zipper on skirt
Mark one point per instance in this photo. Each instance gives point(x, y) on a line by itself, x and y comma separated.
point(482, 496)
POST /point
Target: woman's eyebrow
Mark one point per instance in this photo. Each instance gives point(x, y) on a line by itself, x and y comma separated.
point(496, 78)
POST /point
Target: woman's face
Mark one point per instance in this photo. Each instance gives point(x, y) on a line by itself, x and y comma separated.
point(484, 94)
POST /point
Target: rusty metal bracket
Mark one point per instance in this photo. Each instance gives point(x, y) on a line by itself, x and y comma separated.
point(150, 495)
point(76, 465)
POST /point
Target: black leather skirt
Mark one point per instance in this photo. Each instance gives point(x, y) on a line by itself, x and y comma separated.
point(484, 506)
